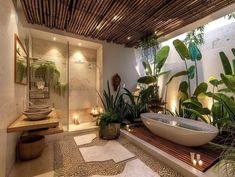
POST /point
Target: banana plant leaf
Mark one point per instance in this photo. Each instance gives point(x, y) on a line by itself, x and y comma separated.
point(202, 88)
point(191, 72)
point(229, 81)
point(147, 68)
point(215, 82)
point(183, 90)
point(181, 49)
point(233, 51)
point(181, 73)
point(194, 52)
point(233, 61)
point(192, 102)
point(228, 103)
point(226, 64)
point(161, 57)
point(198, 114)
point(164, 72)
point(147, 80)
point(225, 90)
point(216, 110)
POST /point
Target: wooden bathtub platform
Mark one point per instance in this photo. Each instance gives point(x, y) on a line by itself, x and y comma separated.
point(209, 154)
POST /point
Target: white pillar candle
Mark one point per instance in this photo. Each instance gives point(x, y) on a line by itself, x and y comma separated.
point(198, 157)
point(192, 155)
point(194, 162)
point(200, 163)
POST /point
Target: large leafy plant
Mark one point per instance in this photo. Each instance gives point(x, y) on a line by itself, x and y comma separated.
point(114, 106)
point(223, 107)
point(189, 103)
point(153, 71)
point(137, 103)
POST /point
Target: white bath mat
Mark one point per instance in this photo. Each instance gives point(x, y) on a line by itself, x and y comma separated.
point(84, 139)
point(111, 150)
point(135, 168)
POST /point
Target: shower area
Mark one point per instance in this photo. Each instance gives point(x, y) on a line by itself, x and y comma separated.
point(67, 75)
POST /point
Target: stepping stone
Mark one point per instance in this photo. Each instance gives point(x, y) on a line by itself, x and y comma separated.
point(111, 150)
point(135, 168)
point(84, 139)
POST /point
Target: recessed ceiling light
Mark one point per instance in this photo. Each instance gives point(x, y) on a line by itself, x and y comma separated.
point(54, 38)
point(98, 27)
point(115, 17)
point(79, 44)
point(128, 38)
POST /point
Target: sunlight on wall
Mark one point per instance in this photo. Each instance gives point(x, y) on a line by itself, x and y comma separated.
point(173, 104)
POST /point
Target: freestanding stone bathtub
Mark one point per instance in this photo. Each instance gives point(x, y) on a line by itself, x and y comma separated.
point(179, 130)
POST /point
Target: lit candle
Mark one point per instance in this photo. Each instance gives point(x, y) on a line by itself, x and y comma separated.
point(192, 155)
point(75, 118)
point(173, 123)
point(128, 128)
point(198, 157)
point(92, 110)
point(194, 162)
point(95, 111)
point(101, 110)
point(200, 163)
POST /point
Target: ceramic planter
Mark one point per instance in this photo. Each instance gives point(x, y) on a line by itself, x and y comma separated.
point(111, 131)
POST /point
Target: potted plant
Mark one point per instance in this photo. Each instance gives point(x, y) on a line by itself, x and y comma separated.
point(115, 111)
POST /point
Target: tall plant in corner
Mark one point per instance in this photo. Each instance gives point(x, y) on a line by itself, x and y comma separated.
point(223, 107)
point(153, 71)
point(189, 103)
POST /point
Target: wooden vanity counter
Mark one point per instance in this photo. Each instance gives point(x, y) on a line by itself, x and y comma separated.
point(23, 124)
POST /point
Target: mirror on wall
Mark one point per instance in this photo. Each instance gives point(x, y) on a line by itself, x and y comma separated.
point(21, 62)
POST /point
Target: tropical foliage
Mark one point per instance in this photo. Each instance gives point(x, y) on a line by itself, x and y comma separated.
point(189, 103)
point(137, 104)
point(223, 107)
point(115, 109)
point(196, 36)
point(153, 71)
point(50, 74)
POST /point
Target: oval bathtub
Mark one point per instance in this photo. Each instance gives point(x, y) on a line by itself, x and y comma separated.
point(182, 131)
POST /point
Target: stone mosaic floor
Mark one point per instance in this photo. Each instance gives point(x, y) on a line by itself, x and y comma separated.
point(68, 160)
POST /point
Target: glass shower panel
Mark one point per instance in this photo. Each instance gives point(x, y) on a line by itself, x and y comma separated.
point(48, 76)
point(82, 87)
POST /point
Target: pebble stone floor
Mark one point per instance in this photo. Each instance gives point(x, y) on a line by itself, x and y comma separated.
point(68, 161)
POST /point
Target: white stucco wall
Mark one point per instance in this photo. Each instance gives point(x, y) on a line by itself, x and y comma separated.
point(121, 60)
point(12, 96)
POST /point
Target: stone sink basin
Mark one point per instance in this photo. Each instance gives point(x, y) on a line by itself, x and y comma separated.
point(37, 114)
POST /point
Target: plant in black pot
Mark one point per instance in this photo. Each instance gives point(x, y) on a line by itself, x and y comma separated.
point(115, 110)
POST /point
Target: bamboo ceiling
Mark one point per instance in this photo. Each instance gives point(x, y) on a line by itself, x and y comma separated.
point(119, 21)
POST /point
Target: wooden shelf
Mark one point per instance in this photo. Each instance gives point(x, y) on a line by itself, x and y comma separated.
point(23, 124)
point(47, 131)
